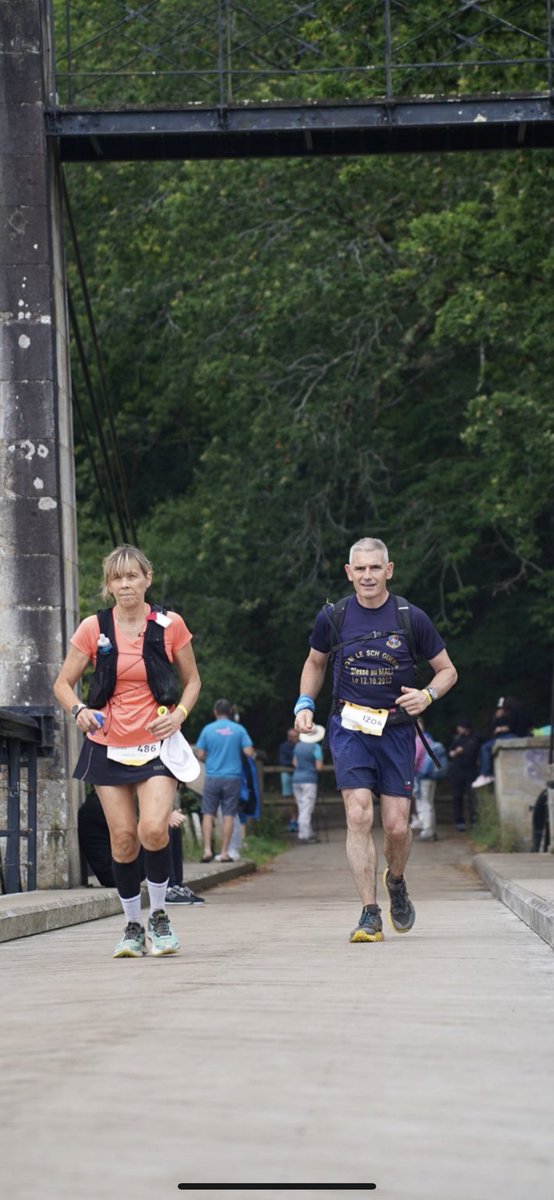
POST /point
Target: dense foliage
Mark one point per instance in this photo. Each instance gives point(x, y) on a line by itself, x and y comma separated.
point(300, 353)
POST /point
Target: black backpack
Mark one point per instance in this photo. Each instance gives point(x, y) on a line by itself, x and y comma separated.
point(159, 672)
point(335, 615)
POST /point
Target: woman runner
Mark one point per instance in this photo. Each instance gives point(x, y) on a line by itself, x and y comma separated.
point(124, 731)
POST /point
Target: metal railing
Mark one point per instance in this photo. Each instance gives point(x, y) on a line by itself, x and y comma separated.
point(182, 52)
point(24, 735)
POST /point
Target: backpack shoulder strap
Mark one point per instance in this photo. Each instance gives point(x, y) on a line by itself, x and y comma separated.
point(335, 616)
point(405, 623)
point(105, 621)
point(154, 635)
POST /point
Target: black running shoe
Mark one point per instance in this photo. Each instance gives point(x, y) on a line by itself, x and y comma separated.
point(181, 894)
point(370, 925)
point(402, 911)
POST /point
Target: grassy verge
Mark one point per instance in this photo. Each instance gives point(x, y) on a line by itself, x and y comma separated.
point(488, 834)
point(263, 839)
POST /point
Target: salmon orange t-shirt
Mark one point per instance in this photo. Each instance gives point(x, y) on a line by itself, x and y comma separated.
point(132, 708)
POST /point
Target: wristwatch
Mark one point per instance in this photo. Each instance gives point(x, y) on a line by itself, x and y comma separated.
point(77, 708)
point(432, 693)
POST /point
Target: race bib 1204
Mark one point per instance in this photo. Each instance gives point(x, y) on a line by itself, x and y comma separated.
point(364, 720)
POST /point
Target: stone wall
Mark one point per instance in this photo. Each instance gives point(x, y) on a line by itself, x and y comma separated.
point(521, 772)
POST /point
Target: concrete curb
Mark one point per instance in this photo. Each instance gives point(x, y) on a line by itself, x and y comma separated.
point(26, 913)
point(534, 910)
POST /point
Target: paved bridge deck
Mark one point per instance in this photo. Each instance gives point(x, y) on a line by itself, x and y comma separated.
point(270, 1050)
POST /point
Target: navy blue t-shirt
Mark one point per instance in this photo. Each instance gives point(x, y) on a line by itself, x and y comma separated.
point(374, 671)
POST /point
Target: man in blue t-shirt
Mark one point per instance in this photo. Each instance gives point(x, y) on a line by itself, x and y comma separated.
point(220, 745)
point(371, 729)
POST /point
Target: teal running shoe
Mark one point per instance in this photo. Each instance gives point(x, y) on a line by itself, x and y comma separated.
point(133, 942)
point(164, 940)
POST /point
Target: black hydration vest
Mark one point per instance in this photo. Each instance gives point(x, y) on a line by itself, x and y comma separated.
point(159, 672)
point(336, 613)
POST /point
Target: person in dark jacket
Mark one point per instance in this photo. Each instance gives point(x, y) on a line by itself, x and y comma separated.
point(462, 761)
point(510, 720)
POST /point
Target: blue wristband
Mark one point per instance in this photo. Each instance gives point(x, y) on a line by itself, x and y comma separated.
point(304, 702)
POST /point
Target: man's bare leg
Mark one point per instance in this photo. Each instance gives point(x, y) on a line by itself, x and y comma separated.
point(207, 831)
point(395, 816)
point(362, 856)
point(226, 833)
point(360, 847)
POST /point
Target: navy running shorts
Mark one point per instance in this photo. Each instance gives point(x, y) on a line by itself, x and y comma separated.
point(385, 765)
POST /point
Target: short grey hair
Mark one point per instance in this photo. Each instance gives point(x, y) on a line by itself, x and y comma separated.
point(369, 544)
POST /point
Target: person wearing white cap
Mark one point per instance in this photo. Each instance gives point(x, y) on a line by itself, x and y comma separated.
point(132, 723)
point(374, 638)
point(307, 763)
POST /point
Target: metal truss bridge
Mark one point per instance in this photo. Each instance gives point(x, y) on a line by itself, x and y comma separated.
point(177, 79)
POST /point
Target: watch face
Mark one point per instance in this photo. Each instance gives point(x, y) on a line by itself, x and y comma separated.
point(75, 710)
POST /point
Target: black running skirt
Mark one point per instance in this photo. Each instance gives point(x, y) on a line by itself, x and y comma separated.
point(94, 766)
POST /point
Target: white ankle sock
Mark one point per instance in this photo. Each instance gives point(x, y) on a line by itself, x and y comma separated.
point(156, 892)
point(131, 908)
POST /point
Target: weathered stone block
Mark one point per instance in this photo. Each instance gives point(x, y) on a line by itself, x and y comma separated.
point(30, 468)
point(22, 125)
point(36, 522)
point(27, 410)
point(20, 75)
point(520, 768)
point(21, 686)
point(25, 294)
point(19, 27)
point(38, 580)
point(22, 178)
point(26, 351)
point(24, 235)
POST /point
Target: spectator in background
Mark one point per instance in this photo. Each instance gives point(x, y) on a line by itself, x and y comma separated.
point(220, 745)
point(427, 777)
point(285, 755)
point(510, 720)
point(307, 763)
point(417, 819)
point(462, 761)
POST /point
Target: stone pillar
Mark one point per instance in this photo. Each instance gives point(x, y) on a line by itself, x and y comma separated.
point(521, 771)
point(38, 548)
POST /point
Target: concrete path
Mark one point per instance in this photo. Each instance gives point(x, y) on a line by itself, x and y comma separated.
point(272, 1051)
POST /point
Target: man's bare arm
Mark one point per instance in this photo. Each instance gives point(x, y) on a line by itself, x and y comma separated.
point(416, 700)
point(311, 683)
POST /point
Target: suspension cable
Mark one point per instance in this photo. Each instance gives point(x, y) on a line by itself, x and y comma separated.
point(90, 451)
point(104, 389)
point(102, 441)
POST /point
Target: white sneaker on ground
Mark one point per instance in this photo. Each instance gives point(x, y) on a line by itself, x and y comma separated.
point(482, 780)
